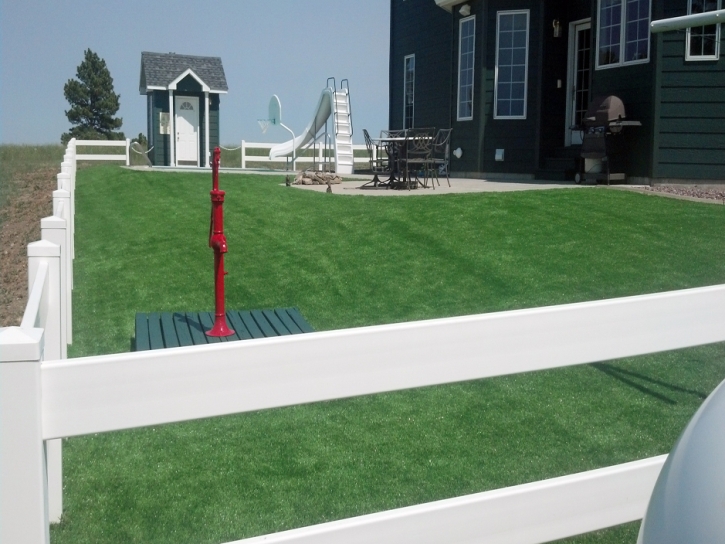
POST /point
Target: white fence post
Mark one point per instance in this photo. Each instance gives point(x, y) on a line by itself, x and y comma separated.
point(128, 152)
point(50, 250)
point(23, 489)
point(63, 208)
point(67, 168)
point(46, 251)
point(53, 233)
point(244, 154)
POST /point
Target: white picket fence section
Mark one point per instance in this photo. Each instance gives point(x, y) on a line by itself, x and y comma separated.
point(126, 144)
point(45, 397)
point(48, 315)
point(319, 155)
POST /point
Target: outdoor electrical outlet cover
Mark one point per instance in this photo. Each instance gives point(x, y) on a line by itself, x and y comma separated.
point(499, 155)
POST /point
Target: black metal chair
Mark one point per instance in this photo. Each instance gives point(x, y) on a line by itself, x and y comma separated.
point(392, 149)
point(378, 159)
point(440, 156)
point(417, 151)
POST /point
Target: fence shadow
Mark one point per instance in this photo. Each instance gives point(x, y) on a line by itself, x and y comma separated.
point(624, 376)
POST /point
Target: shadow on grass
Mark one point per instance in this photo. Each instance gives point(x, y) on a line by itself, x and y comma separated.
point(620, 373)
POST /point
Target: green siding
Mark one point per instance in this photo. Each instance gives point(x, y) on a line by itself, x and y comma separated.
point(160, 154)
point(681, 105)
point(188, 86)
point(518, 137)
point(555, 61)
point(468, 135)
point(160, 103)
point(420, 27)
point(690, 137)
point(214, 122)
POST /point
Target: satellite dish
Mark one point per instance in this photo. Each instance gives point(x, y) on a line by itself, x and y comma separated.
point(688, 499)
point(275, 110)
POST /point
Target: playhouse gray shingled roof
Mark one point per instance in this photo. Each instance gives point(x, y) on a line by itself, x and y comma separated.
point(160, 69)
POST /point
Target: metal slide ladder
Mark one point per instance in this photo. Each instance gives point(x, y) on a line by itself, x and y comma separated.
point(342, 127)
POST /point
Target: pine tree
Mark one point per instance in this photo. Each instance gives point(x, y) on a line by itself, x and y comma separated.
point(93, 102)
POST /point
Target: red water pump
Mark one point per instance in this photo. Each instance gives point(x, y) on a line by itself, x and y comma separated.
point(218, 242)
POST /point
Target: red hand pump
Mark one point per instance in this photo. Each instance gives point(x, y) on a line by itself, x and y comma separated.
point(218, 242)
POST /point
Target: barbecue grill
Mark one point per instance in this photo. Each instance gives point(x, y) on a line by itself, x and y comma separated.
point(604, 119)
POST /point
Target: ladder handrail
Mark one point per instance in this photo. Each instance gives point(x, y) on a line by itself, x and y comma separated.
point(345, 91)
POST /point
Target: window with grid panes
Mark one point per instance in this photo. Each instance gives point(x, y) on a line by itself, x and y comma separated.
point(512, 53)
point(703, 42)
point(466, 56)
point(623, 33)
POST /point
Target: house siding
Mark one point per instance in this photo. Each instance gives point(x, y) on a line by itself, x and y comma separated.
point(553, 126)
point(159, 103)
point(631, 151)
point(517, 137)
point(469, 135)
point(420, 28)
point(159, 156)
point(679, 104)
point(689, 137)
point(213, 122)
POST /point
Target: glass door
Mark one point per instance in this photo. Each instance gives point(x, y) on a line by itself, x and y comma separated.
point(578, 78)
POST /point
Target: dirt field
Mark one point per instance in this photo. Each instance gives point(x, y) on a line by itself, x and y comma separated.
point(20, 215)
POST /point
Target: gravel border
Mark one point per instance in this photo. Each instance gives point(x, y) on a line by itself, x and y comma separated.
point(693, 193)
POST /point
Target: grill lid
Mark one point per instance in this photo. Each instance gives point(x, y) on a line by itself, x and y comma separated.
point(603, 110)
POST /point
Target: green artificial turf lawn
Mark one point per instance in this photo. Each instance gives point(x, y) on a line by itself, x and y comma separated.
point(345, 261)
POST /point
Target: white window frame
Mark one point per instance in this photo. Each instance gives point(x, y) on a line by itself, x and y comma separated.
point(471, 19)
point(688, 55)
point(405, 91)
point(526, 66)
point(622, 38)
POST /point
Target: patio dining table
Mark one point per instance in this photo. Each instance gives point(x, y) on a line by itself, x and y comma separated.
point(400, 175)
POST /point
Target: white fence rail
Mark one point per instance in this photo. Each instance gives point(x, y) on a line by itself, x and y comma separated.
point(113, 392)
point(524, 514)
point(44, 397)
point(319, 155)
point(126, 144)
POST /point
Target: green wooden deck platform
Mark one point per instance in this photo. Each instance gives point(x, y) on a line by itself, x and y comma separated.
point(172, 330)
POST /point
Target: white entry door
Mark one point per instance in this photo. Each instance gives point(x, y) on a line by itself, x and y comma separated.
point(578, 78)
point(187, 130)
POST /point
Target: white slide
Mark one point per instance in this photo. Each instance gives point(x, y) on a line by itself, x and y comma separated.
point(331, 103)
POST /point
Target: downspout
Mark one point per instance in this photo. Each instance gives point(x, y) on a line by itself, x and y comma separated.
point(390, 71)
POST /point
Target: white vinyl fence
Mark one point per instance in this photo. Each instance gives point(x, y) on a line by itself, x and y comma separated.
point(44, 397)
point(126, 144)
point(316, 155)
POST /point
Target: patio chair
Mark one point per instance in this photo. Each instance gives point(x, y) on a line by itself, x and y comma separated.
point(378, 159)
point(417, 149)
point(440, 155)
point(393, 151)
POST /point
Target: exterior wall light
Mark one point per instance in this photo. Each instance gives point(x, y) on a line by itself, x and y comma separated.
point(557, 28)
point(465, 10)
point(458, 153)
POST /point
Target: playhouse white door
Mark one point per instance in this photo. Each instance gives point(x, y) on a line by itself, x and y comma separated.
point(187, 130)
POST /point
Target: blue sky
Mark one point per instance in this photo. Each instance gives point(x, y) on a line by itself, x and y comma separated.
point(283, 47)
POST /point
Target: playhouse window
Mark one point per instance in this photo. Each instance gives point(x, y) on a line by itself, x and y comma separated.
point(408, 90)
point(623, 32)
point(703, 42)
point(512, 60)
point(467, 41)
